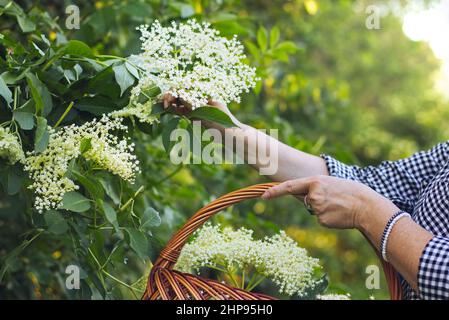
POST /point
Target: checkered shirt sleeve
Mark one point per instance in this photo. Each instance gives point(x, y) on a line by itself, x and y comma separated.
point(401, 181)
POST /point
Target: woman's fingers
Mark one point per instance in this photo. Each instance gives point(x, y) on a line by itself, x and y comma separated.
point(295, 187)
point(168, 100)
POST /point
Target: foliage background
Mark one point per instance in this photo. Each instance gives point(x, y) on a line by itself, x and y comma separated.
point(334, 87)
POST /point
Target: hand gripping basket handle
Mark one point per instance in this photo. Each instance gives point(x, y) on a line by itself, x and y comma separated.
point(169, 255)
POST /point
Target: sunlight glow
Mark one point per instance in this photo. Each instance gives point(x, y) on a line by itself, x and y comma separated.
point(432, 25)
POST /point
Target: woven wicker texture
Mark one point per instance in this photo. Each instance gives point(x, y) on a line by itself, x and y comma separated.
point(168, 284)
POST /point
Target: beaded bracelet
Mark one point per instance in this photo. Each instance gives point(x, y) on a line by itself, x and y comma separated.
point(388, 227)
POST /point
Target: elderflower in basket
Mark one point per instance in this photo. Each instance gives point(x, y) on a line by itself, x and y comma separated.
point(245, 262)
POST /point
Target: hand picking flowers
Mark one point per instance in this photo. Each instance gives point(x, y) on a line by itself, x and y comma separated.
point(236, 254)
point(191, 61)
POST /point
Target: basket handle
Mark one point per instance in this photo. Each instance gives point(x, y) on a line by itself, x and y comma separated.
point(169, 255)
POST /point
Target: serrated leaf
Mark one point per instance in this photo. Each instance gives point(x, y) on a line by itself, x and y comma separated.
point(212, 114)
point(150, 218)
point(15, 179)
point(42, 135)
point(95, 105)
point(111, 215)
point(152, 91)
point(132, 70)
point(78, 48)
point(166, 132)
point(123, 77)
point(76, 202)
point(274, 36)
point(56, 224)
point(5, 92)
point(138, 242)
point(85, 145)
point(253, 49)
point(92, 185)
point(287, 47)
point(26, 24)
point(262, 38)
point(25, 119)
point(40, 93)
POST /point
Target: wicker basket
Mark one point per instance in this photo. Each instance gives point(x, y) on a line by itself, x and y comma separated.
point(168, 284)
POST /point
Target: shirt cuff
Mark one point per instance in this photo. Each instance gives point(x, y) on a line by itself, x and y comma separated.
point(339, 169)
point(433, 272)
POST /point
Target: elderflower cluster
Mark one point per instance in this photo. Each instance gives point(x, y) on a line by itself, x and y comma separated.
point(193, 62)
point(333, 296)
point(10, 148)
point(278, 258)
point(49, 169)
point(136, 108)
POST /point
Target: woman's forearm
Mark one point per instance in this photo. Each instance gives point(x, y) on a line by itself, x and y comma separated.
point(405, 243)
point(289, 162)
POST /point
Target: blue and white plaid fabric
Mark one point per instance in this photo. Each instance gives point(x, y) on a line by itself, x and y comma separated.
point(419, 185)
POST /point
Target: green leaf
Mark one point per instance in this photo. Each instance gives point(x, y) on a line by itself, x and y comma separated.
point(112, 189)
point(55, 222)
point(274, 36)
point(77, 48)
point(123, 77)
point(40, 94)
point(95, 105)
point(109, 213)
point(90, 183)
point(132, 70)
point(26, 24)
point(104, 83)
point(42, 135)
point(85, 145)
point(262, 38)
point(13, 9)
point(5, 92)
point(212, 114)
point(15, 179)
point(230, 28)
point(150, 218)
point(25, 119)
point(152, 92)
point(76, 202)
point(253, 50)
point(11, 77)
point(287, 46)
point(166, 132)
point(138, 242)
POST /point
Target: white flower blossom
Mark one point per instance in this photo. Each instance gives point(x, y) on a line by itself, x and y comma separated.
point(278, 258)
point(141, 111)
point(10, 147)
point(333, 296)
point(193, 62)
point(48, 169)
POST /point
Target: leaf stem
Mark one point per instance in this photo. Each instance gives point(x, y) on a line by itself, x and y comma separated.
point(256, 283)
point(64, 114)
point(127, 203)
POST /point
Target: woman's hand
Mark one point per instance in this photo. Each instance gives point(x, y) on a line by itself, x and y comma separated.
point(337, 203)
point(184, 108)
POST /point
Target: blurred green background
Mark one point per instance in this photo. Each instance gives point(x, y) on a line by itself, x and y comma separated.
point(337, 87)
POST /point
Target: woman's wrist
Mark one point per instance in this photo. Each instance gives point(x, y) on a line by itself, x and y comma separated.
point(374, 214)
